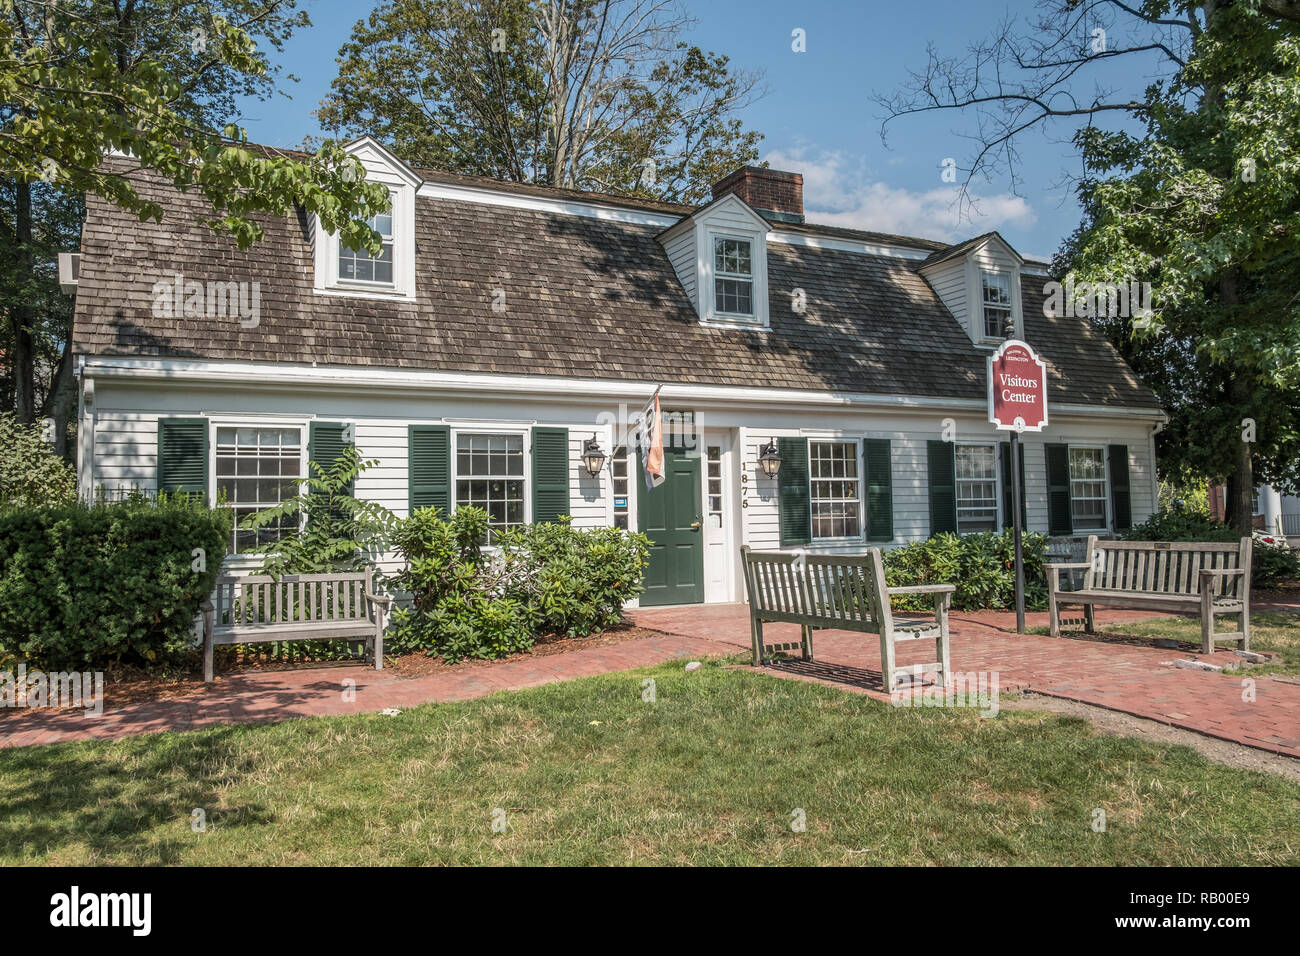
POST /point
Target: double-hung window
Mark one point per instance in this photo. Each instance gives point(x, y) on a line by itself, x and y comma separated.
point(258, 468)
point(1088, 488)
point(733, 277)
point(977, 488)
point(997, 304)
point(835, 489)
point(357, 265)
point(490, 476)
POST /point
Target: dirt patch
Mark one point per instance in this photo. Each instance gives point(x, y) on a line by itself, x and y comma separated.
point(1237, 756)
point(133, 686)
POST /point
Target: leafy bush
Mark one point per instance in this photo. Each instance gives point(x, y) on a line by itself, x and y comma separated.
point(980, 565)
point(89, 586)
point(334, 530)
point(543, 579)
point(30, 473)
point(1271, 560)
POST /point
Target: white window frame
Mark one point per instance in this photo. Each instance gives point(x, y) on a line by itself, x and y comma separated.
point(997, 484)
point(303, 426)
point(1010, 308)
point(1105, 481)
point(749, 317)
point(861, 480)
point(380, 167)
point(706, 281)
point(390, 241)
point(512, 430)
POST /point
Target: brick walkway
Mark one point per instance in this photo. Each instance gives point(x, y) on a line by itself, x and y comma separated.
point(1132, 679)
point(273, 696)
point(1135, 680)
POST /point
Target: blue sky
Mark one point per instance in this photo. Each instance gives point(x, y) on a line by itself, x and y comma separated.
point(817, 114)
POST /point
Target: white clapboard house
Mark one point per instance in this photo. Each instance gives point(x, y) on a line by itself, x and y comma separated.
point(506, 326)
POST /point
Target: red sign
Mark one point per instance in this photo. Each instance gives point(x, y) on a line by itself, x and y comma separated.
point(1017, 388)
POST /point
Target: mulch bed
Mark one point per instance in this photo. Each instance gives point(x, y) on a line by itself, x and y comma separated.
point(134, 686)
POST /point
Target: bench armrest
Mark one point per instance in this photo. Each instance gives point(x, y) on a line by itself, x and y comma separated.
point(1221, 572)
point(379, 599)
point(923, 589)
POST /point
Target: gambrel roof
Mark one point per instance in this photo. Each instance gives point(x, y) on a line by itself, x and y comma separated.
point(584, 296)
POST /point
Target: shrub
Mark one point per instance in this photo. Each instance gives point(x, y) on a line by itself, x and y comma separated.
point(91, 586)
point(980, 565)
point(468, 601)
point(1271, 560)
point(30, 473)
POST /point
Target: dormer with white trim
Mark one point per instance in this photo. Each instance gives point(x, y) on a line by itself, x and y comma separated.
point(979, 282)
point(391, 274)
point(719, 254)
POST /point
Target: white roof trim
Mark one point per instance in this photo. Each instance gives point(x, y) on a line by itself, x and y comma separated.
point(538, 387)
point(848, 245)
point(559, 207)
point(367, 147)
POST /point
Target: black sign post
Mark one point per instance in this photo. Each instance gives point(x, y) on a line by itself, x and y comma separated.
point(1016, 523)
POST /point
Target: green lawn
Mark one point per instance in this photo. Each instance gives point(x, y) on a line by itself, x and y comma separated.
point(588, 773)
point(1270, 631)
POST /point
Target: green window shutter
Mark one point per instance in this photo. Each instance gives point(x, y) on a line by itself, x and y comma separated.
point(878, 468)
point(429, 462)
point(550, 474)
point(1120, 500)
point(183, 456)
point(1059, 520)
point(792, 492)
point(1004, 449)
point(943, 487)
point(325, 444)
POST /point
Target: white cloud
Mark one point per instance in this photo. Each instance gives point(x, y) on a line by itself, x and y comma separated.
point(836, 193)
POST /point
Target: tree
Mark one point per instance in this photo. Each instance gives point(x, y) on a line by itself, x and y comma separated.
point(1198, 196)
point(585, 94)
point(31, 475)
point(159, 82)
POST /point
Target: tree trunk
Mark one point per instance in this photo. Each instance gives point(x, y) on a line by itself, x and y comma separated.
point(1241, 482)
point(21, 314)
point(61, 404)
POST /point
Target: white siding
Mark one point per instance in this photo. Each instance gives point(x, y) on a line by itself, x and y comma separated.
point(681, 253)
point(949, 283)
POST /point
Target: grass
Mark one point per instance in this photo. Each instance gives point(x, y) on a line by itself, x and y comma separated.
point(1270, 631)
point(588, 773)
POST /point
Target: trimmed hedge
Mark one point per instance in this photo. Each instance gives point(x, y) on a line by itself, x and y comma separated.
point(980, 565)
point(93, 586)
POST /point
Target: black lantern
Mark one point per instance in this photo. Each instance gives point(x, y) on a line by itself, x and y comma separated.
point(769, 460)
point(593, 459)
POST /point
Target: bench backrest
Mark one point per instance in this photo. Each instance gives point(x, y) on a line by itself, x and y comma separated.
point(847, 592)
point(293, 599)
point(1167, 567)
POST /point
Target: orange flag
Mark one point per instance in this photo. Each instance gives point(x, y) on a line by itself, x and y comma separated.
point(652, 443)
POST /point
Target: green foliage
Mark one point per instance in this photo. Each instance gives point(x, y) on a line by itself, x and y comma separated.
point(91, 586)
point(470, 602)
point(1271, 560)
point(82, 78)
point(334, 530)
point(31, 474)
point(589, 95)
point(981, 565)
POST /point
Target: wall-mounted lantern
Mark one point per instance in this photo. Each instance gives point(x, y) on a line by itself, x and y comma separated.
point(593, 459)
point(769, 460)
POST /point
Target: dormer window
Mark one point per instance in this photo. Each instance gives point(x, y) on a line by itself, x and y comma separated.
point(357, 265)
point(355, 272)
point(733, 271)
point(997, 304)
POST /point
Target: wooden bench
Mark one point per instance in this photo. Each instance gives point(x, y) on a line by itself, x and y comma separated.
point(846, 593)
point(1187, 577)
point(299, 607)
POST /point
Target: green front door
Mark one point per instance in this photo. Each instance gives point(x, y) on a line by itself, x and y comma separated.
point(670, 517)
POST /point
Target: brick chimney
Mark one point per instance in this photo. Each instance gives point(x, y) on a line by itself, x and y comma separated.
point(775, 195)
